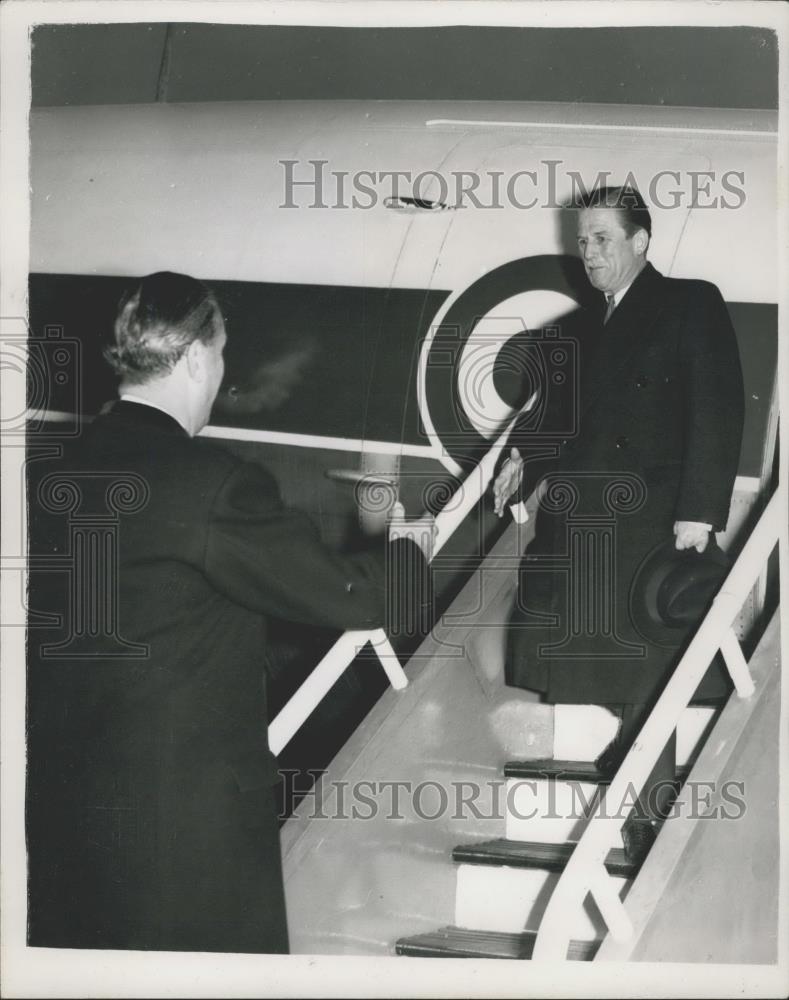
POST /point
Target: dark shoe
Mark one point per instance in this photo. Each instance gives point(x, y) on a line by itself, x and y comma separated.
point(609, 761)
point(638, 836)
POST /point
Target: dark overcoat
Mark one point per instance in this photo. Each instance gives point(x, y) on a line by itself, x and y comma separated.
point(659, 429)
point(150, 815)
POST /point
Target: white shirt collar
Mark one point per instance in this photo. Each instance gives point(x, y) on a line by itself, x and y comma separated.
point(618, 296)
point(131, 398)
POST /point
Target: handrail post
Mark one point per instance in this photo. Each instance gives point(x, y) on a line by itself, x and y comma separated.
point(389, 659)
point(296, 711)
point(609, 904)
point(735, 662)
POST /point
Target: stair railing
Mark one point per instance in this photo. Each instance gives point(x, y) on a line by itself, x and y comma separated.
point(585, 872)
point(306, 699)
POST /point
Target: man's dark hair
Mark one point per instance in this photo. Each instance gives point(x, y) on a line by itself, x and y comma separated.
point(157, 321)
point(634, 214)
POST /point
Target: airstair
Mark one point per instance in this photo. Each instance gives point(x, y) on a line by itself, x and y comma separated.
point(466, 819)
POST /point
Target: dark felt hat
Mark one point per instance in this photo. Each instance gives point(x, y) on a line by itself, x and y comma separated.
point(672, 590)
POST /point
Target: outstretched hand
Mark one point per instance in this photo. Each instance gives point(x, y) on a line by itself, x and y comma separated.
point(508, 481)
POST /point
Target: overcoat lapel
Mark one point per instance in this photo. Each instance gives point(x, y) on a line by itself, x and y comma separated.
point(627, 331)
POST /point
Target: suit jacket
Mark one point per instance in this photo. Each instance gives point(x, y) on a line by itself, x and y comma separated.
point(150, 816)
point(660, 418)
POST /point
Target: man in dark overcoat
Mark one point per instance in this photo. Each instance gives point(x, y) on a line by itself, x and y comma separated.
point(150, 812)
point(660, 416)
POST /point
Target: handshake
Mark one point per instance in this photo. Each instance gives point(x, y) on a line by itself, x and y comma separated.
point(423, 531)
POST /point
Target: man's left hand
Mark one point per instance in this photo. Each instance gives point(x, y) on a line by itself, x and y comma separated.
point(692, 535)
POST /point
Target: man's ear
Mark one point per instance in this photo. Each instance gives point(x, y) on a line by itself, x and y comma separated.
point(640, 241)
point(194, 361)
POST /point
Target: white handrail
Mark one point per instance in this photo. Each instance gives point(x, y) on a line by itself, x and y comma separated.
point(307, 698)
point(602, 832)
point(467, 495)
point(298, 709)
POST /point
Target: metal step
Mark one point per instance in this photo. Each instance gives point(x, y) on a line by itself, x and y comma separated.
point(525, 854)
point(566, 770)
point(459, 942)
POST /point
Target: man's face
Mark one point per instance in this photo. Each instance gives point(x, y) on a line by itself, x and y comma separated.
point(609, 254)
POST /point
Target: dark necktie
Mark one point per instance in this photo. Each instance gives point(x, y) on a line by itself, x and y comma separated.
point(610, 306)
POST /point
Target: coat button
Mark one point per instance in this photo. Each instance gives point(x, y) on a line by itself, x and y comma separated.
point(641, 381)
point(622, 441)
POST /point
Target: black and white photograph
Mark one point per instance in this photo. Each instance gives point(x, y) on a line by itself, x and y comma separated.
point(394, 508)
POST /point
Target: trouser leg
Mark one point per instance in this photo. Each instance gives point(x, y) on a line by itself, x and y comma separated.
point(659, 791)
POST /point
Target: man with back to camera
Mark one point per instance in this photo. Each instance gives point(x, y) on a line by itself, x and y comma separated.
point(150, 811)
point(661, 404)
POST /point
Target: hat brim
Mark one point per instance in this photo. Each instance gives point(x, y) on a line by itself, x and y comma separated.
point(671, 591)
